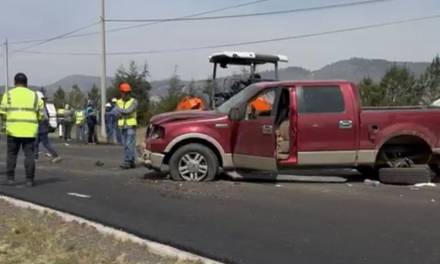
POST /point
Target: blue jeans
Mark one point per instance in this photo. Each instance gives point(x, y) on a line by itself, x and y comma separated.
point(44, 138)
point(128, 136)
point(110, 136)
point(80, 133)
point(118, 135)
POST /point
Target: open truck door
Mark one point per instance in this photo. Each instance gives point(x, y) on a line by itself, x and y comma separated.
point(255, 144)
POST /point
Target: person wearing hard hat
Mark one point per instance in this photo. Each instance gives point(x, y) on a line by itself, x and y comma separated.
point(116, 130)
point(80, 119)
point(126, 108)
point(92, 121)
point(68, 122)
point(22, 110)
point(43, 133)
point(110, 120)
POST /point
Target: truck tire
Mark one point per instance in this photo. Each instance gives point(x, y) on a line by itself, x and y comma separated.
point(406, 176)
point(193, 162)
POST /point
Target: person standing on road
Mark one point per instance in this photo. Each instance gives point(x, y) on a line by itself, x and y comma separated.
point(61, 127)
point(43, 133)
point(110, 120)
point(22, 110)
point(79, 123)
point(68, 122)
point(126, 108)
point(92, 121)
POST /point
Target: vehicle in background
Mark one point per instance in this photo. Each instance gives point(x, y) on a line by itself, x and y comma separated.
point(221, 91)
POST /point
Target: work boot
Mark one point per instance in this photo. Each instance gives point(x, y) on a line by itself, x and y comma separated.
point(56, 160)
point(125, 166)
point(29, 184)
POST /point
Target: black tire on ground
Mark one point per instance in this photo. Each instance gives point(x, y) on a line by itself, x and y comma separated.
point(368, 171)
point(210, 160)
point(409, 176)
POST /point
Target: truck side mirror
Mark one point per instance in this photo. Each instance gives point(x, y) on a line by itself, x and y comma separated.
point(235, 114)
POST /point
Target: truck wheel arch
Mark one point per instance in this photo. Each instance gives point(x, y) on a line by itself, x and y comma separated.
point(224, 159)
point(406, 139)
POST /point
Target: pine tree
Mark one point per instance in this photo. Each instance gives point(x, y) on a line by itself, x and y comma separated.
point(76, 97)
point(399, 87)
point(94, 95)
point(59, 98)
point(371, 93)
point(429, 83)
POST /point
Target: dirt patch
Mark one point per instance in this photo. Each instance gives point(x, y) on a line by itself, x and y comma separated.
point(27, 236)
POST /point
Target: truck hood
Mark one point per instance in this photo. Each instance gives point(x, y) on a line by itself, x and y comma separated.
point(186, 116)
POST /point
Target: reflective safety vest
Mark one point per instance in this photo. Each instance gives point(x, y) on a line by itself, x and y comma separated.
point(60, 113)
point(23, 110)
point(129, 120)
point(79, 117)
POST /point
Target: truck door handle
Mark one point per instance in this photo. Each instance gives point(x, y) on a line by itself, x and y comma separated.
point(267, 129)
point(345, 124)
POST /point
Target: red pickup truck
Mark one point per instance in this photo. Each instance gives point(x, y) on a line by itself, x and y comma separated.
point(309, 124)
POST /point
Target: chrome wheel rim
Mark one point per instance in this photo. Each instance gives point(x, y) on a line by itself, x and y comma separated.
point(193, 167)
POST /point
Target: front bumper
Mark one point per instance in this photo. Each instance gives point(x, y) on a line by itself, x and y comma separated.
point(152, 160)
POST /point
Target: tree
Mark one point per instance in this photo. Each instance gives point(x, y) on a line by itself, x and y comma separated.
point(94, 95)
point(175, 93)
point(371, 93)
point(59, 98)
point(137, 78)
point(76, 97)
point(428, 84)
point(399, 87)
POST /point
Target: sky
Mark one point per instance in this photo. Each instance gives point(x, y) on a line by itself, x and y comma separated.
point(39, 19)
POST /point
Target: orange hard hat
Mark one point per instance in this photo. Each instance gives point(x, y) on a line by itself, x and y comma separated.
point(125, 87)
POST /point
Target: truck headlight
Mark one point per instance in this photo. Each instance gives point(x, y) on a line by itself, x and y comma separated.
point(157, 132)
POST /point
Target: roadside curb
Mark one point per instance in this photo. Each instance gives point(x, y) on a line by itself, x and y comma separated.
point(154, 247)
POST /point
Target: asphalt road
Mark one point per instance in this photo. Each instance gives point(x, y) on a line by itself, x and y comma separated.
point(243, 222)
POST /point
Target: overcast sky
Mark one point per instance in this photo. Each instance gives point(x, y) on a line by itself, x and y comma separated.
point(26, 19)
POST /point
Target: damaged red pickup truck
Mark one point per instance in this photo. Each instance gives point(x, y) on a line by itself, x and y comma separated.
point(309, 124)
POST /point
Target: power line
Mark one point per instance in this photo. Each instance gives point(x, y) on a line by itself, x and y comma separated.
point(300, 36)
point(148, 24)
point(46, 40)
point(279, 12)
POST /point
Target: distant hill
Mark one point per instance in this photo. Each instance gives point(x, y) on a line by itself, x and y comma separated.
point(354, 69)
point(84, 82)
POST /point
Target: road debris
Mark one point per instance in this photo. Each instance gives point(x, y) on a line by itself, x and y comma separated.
point(426, 184)
point(278, 185)
point(99, 163)
point(85, 196)
point(372, 183)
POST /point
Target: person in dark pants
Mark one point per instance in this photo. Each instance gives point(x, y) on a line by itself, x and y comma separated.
point(92, 121)
point(68, 122)
point(22, 110)
point(43, 134)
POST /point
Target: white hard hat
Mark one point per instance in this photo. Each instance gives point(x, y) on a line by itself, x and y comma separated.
point(114, 100)
point(108, 105)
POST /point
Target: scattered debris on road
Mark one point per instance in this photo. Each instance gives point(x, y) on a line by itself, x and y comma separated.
point(372, 183)
point(426, 184)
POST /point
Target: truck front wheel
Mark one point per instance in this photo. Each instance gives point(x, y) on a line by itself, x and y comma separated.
point(193, 162)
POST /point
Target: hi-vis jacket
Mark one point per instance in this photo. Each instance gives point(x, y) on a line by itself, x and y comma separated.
point(127, 113)
point(23, 110)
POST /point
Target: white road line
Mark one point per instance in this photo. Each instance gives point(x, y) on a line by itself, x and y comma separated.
point(154, 247)
point(79, 195)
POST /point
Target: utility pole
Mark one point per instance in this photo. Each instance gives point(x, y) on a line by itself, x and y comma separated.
point(104, 72)
point(6, 62)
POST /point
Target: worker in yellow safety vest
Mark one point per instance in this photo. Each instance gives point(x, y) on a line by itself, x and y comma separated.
point(61, 128)
point(80, 119)
point(126, 109)
point(22, 109)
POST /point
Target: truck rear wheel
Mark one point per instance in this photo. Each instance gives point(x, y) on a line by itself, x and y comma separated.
point(193, 162)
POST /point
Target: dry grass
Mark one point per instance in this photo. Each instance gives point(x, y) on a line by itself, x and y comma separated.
point(27, 236)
